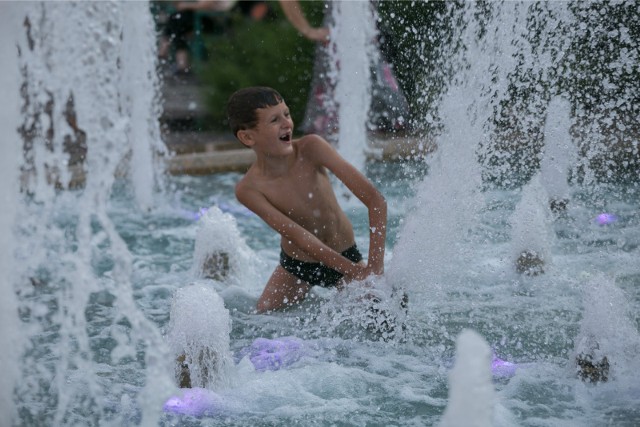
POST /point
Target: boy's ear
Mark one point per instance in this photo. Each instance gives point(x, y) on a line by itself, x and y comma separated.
point(245, 137)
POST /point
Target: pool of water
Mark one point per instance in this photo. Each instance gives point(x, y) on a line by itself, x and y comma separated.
point(349, 376)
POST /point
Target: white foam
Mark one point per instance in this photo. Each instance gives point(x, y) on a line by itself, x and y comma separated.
point(10, 338)
point(531, 222)
point(559, 150)
point(74, 50)
point(352, 40)
point(199, 328)
point(218, 234)
point(140, 92)
point(607, 329)
point(471, 392)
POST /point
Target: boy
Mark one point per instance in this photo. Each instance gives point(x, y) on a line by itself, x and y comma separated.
point(289, 188)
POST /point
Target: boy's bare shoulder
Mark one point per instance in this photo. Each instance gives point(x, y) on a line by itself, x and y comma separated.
point(310, 142)
point(309, 139)
point(245, 184)
point(248, 192)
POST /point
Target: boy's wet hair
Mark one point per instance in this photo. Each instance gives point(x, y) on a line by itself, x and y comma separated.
point(242, 106)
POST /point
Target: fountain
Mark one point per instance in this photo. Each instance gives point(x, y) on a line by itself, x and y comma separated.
point(471, 392)
point(199, 337)
point(93, 267)
point(9, 323)
point(495, 137)
point(558, 154)
point(354, 49)
point(88, 87)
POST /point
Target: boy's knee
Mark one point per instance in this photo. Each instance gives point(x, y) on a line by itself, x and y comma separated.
point(269, 301)
point(267, 305)
point(279, 302)
point(261, 307)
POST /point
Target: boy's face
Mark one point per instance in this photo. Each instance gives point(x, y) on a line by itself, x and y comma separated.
point(274, 130)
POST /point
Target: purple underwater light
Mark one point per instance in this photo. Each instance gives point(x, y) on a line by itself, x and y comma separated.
point(271, 355)
point(264, 354)
point(193, 216)
point(223, 206)
point(193, 401)
point(606, 218)
point(502, 369)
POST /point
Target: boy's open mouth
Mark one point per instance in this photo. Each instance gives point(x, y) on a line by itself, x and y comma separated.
point(285, 137)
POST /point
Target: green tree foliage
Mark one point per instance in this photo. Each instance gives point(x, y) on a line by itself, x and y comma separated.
point(266, 53)
point(412, 37)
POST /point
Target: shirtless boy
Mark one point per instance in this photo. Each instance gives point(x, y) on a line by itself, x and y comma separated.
point(288, 186)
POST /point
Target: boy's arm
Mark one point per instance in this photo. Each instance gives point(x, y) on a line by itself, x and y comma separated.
point(289, 229)
point(363, 189)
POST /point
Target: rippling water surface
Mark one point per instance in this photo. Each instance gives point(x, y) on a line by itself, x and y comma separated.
point(350, 376)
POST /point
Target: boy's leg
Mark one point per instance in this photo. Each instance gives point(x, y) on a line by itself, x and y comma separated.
point(283, 289)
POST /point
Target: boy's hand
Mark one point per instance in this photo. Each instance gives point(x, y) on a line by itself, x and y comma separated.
point(374, 271)
point(362, 273)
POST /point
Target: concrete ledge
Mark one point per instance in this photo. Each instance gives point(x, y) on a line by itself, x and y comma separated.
point(206, 163)
point(239, 160)
point(222, 159)
point(385, 147)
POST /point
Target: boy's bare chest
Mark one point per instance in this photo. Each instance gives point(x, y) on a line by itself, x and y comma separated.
point(303, 196)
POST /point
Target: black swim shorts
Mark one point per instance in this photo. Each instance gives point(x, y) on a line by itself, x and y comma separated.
point(316, 273)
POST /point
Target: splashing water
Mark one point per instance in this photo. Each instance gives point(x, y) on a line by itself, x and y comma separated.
point(73, 265)
point(606, 330)
point(514, 61)
point(353, 38)
point(559, 152)
point(10, 340)
point(221, 254)
point(94, 271)
point(471, 393)
point(531, 224)
point(199, 333)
